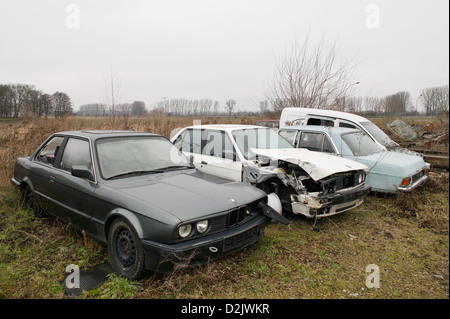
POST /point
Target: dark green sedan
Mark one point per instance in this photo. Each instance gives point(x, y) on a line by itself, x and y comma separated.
point(141, 196)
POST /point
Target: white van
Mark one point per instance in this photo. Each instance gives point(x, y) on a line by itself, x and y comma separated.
point(306, 116)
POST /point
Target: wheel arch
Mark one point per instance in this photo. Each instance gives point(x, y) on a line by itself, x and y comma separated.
point(128, 216)
point(24, 184)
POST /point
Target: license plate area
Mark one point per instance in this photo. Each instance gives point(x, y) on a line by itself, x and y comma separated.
point(240, 239)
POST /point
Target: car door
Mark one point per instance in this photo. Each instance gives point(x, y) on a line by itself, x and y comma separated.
point(219, 157)
point(73, 194)
point(43, 168)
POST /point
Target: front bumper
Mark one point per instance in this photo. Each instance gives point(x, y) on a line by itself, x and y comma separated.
point(330, 204)
point(166, 258)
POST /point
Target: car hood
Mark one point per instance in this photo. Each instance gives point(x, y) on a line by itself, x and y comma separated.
point(393, 163)
point(317, 165)
point(187, 196)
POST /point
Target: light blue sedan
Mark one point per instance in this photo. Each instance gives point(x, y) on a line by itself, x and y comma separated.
point(388, 171)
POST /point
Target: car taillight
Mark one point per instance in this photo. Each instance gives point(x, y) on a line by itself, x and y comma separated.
point(406, 181)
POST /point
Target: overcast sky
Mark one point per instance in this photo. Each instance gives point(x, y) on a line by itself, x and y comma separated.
point(215, 49)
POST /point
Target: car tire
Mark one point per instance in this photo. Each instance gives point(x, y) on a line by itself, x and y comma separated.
point(125, 250)
point(30, 202)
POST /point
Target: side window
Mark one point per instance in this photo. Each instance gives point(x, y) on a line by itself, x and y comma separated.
point(289, 136)
point(345, 124)
point(313, 121)
point(48, 153)
point(327, 146)
point(328, 123)
point(179, 141)
point(218, 144)
point(320, 122)
point(76, 152)
point(311, 141)
point(191, 141)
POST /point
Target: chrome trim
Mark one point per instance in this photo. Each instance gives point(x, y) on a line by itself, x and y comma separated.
point(414, 185)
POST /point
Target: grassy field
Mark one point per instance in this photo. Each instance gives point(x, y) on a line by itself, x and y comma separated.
point(405, 236)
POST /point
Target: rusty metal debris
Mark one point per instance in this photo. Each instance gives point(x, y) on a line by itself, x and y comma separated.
point(431, 140)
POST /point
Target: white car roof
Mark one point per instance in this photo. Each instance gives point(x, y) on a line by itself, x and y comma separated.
point(322, 112)
point(227, 127)
point(317, 128)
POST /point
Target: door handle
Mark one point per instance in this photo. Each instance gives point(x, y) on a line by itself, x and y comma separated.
point(52, 179)
point(204, 163)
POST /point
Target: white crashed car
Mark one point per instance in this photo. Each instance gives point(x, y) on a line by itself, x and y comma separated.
point(297, 180)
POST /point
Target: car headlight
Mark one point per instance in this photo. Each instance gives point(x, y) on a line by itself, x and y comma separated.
point(361, 178)
point(184, 230)
point(202, 226)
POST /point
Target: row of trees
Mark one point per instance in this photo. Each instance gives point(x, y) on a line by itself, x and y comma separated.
point(181, 107)
point(398, 103)
point(24, 100)
point(433, 100)
point(137, 108)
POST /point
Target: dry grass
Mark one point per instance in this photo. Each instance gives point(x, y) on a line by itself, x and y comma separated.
point(428, 204)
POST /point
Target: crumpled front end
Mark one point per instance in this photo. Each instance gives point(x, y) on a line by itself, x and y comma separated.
point(302, 194)
point(329, 196)
point(316, 205)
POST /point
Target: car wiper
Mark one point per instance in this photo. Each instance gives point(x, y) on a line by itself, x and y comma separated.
point(173, 167)
point(131, 173)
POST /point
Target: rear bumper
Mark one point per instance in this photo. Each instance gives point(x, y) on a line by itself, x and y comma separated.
point(330, 204)
point(414, 185)
point(164, 258)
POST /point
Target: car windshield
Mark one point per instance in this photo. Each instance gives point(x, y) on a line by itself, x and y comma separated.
point(361, 144)
point(127, 156)
point(258, 138)
point(378, 134)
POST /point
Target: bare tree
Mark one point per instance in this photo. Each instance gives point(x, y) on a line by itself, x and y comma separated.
point(112, 93)
point(398, 103)
point(138, 108)
point(62, 104)
point(310, 78)
point(216, 107)
point(263, 107)
point(435, 100)
point(229, 105)
point(354, 105)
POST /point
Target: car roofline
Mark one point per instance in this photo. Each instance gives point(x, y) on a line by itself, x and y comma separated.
point(317, 128)
point(226, 127)
point(331, 113)
point(97, 134)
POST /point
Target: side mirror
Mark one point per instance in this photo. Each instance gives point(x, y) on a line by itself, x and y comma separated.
point(191, 159)
point(82, 172)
